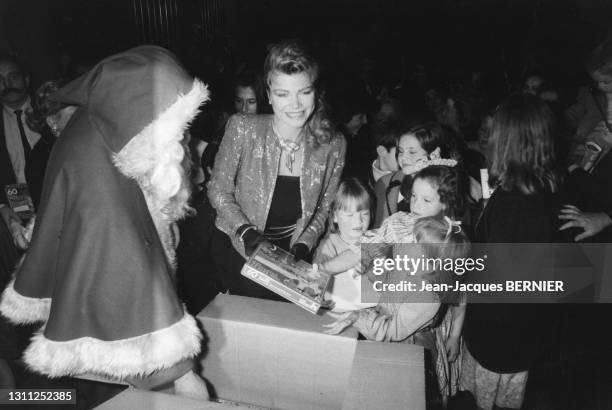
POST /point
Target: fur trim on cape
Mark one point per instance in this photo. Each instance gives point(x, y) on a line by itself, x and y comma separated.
point(118, 359)
point(154, 158)
point(22, 310)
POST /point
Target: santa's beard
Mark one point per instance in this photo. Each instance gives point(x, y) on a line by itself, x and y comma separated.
point(169, 184)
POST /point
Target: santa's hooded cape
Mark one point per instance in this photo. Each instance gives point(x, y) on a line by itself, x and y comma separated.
point(98, 270)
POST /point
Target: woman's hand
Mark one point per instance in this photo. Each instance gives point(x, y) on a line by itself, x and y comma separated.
point(300, 251)
point(328, 304)
point(343, 320)
point(591, 222)
point(252, 239)
point(452, 348)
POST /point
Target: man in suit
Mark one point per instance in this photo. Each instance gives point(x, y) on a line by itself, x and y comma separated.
point(23, 151)
point(18, 164)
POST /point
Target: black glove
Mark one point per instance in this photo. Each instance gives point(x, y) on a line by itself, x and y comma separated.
point(300, 251)
point(251, 240)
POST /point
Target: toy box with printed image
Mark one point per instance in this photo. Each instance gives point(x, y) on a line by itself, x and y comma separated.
point(278, 271)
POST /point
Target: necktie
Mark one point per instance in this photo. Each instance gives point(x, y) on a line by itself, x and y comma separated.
point(24, 140)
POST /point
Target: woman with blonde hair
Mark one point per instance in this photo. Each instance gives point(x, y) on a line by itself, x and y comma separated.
point(275, 175)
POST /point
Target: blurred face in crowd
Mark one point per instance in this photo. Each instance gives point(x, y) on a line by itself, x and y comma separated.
point(550, 96)
point(425, 200)
point(385, 112)
point(603, 81)
point(245, 100)
point(484, 132)
point(409, 153)
point(532, 85)
point(57, 122)
point(387, 158)
point(292, 97)
point(356, 122)
point(434, 101)
point(13, 85)
point(449, 116)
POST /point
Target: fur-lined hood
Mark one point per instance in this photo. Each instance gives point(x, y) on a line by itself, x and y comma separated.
point(98, 272)
point(127, 92)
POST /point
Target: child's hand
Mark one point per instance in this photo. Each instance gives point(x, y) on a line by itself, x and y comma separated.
point(328, 304)
point(343, 320)
point(452, 348)
point(317, 272)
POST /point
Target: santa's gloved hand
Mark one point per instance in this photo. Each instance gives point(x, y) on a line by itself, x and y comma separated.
point(252, 238)
point(300, 251)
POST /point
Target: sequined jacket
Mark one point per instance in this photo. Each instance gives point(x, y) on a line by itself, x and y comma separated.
point(245, 172)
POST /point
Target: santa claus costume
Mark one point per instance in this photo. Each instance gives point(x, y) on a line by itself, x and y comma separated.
point(98, 272)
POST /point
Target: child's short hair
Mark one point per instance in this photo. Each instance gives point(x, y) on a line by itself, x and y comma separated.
point(351, 191)
point(452, 185)
point(386, 134)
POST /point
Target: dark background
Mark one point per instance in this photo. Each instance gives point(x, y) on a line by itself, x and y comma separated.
point(455, 36)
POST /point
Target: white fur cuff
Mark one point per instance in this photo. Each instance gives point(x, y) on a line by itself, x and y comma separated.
point(118, 359)
point(19, 309)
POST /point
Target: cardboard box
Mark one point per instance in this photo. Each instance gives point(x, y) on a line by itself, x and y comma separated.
point(275, 355)
point(134, 399)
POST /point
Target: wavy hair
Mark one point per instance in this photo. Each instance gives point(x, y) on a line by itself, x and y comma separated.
point(452, 186)
point(523, 148)
point(292, 57)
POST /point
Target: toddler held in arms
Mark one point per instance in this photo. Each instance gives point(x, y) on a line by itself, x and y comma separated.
point(394, 320)
point(437, 192)
point(420, 318)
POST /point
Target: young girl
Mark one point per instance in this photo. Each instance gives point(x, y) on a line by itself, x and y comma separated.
point(411, 320)
point(438, 190)
point(439, 238)
point(349, 218)
point(428, 141)
point(503, 341)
